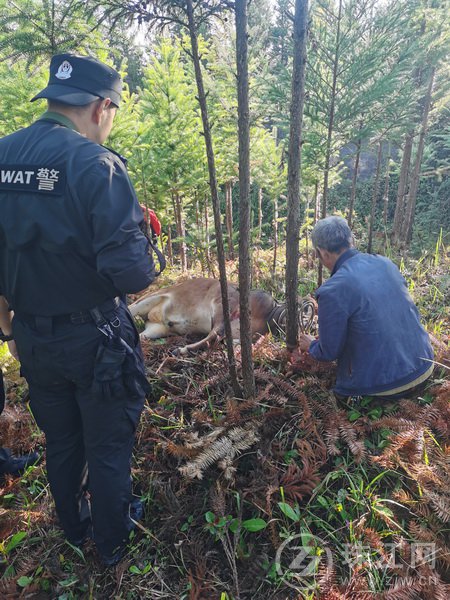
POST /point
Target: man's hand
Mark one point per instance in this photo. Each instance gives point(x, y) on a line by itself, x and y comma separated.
point(13, 349)
point(304, 341)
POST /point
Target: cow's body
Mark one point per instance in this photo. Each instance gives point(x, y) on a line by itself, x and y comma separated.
point(194, 307)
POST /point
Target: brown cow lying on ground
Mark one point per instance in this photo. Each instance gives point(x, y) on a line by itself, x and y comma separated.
point(194, 307)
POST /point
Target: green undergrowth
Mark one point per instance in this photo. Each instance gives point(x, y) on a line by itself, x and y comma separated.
point(288, 495)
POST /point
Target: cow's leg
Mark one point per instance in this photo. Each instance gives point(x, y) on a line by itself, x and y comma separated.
point(211, 337)
point(217, 325)
point(141, 308)
point(153, 331)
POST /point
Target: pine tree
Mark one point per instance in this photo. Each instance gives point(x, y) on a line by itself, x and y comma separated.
point(171, 138)
point(38, 30)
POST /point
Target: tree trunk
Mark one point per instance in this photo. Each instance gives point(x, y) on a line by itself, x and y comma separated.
point(294, 163)
point(244, 197)
point(351, 205)
point(306, 232)
point(374, 197)
point(211, 271)
point(198, 247)
point(229, 217)
point(331, 113)
point(169, 245)
point(386, 196)
point(180, 232)
point(415, 176)
point(402, 188)
point(214, 195)
point(260, 216)
point(330, 128)
point(275, 235)
point(316, 201)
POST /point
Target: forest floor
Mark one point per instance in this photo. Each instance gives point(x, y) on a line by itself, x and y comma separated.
point(289, 495)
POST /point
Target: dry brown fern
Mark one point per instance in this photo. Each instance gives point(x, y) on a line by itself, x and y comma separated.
point(349, 434)
point(440, 504)
point(299, 482)
point(331, 434)
point(180, 451)
point(433, 587)
point(232, 443)
point(421, 533)
point(312, 448)
point(288, 388)
point(405, 588)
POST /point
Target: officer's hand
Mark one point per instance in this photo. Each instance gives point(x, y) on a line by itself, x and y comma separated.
point(304, 341)
point(13, 349)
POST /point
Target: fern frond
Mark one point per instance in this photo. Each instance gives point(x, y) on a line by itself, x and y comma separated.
point(298, 483)
point(180, 451)
point(349, 435)
point(440, 505)
point(407, 588)
point(227, 447)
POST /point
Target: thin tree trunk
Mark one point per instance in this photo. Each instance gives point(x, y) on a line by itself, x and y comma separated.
point(316, 205)
point(211, 271)
point(331, 114)
point(275, 235)
point(330, 128)
point(260, 199)
point(386, 196)
point(306, 232)
point(402, 188)
point(351, 205)
point(316, 201)
point(214, 195)
point(197, 214)
point(198, 251)
point(374, 197)
point(244, 198)
point(229, 217)
point(169, 245)
point(294, 164)
point(181, 232)
point(415, 176)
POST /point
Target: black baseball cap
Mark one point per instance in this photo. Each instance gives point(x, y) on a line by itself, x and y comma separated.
point(78, 80)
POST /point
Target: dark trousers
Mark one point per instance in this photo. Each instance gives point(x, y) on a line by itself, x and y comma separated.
point(80, 428)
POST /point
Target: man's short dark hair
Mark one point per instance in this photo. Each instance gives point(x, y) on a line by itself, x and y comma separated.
point(60, 106)
point(332, 234)
point(56, 106)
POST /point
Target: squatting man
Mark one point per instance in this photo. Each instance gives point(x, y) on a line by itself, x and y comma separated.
point(367, 320)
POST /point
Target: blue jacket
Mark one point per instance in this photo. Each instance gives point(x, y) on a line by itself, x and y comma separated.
point(369, 323)
point(69, 222)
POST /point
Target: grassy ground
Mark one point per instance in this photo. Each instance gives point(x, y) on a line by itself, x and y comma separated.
point(290, 495)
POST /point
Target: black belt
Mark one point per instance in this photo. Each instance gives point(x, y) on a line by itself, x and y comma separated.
point(76, 318)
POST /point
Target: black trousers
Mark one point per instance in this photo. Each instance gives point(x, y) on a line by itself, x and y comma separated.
point(80, 428)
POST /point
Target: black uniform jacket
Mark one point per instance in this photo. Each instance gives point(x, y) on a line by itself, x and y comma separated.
point(69, 222)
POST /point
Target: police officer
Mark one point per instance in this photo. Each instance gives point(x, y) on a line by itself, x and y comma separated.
point(70, 249)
